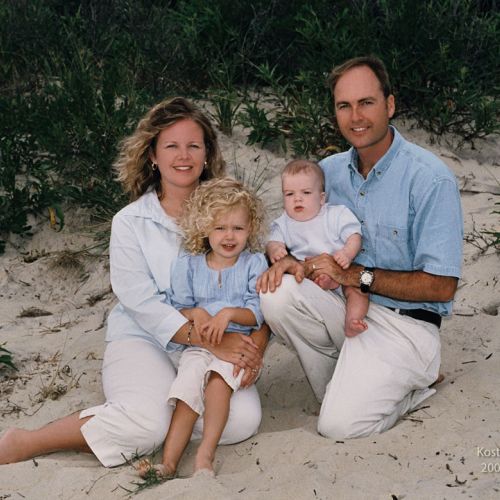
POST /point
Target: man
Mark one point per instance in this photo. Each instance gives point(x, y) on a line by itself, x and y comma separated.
point(409, 206)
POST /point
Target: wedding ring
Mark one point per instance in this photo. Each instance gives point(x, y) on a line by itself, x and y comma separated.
point(314, 267)
point(254, 370)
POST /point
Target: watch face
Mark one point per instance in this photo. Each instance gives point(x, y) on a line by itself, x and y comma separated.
point(366, 278)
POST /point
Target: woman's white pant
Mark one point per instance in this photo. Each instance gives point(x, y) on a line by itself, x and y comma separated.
point(365, 383)
point(137, 376)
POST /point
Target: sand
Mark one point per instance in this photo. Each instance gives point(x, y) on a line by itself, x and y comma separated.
point(52, 317)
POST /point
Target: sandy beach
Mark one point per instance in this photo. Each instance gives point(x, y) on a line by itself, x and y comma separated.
point(55, 297)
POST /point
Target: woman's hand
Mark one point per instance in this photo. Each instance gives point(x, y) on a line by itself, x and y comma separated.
point(249, 377)
point(238, 349)
point(261, 338)
point(271, 279)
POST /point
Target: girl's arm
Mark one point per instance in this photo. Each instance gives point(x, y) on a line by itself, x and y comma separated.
point(240, 315)
point(213, 330)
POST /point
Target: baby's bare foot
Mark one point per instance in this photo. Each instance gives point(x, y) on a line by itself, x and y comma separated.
point(14, 446)
point(354, 327)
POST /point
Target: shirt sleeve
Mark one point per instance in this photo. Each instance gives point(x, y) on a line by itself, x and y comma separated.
point(257, 265)
point(276, 232)
point(438, 230)
point(347, 223)
point(135, 287)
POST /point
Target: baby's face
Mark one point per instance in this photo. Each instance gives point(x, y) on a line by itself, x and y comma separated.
point(302, 195)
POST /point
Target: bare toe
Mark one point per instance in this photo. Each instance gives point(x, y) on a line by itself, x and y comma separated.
point(209, 473)
point(438, 380)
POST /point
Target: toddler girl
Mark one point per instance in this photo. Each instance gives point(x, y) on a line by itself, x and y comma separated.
point(213, 285)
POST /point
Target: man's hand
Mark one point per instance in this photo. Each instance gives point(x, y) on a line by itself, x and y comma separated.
point(325, 282)
point(271, 279)
point(418, 286)
point(325, 264)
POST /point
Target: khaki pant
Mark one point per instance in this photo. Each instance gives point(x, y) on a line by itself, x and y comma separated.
point(365, 383)
point(195, 366)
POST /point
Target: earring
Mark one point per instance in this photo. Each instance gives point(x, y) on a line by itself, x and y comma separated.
point(205, 165)
point(154, 166)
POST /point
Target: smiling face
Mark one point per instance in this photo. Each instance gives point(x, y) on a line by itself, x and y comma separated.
point(180, 154)
point(363, 112)
point(302, 195)
point(228, 237)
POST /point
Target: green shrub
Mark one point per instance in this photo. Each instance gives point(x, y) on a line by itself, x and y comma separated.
point(76, 75)
point(6, 358)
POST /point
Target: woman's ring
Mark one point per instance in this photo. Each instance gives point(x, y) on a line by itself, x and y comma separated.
point(314, 267)
point(254, 370)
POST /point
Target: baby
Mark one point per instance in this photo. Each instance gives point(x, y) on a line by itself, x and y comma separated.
point(309, 227)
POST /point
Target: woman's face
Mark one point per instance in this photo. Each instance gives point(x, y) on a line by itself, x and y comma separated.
point(180, 154)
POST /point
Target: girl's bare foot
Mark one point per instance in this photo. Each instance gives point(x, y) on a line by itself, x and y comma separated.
point(354, 327)
point(146, 469)
point(204, 473)
point(14, 446)
point(438, 380)
point(203, 463)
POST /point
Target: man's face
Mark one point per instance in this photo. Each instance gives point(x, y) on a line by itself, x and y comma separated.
point(362, 111)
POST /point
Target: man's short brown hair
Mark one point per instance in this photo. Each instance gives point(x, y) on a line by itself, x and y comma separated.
point(372, 62)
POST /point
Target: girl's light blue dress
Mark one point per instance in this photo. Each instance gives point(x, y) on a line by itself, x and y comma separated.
point(194, 284)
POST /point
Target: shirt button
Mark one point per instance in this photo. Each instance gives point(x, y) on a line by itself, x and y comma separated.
point(395, 232)
point(362, 250)
point(362, 193)
point(362, 222)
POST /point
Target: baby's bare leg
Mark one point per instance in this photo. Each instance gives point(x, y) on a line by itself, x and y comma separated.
point(17, 445)
point(356, 309)
point(217, 397)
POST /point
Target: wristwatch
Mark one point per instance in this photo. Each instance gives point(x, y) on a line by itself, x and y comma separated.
point(366, 278)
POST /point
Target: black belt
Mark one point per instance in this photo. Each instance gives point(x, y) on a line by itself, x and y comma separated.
point(421, 314)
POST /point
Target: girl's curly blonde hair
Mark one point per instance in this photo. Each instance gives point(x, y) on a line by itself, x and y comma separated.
point(212, 199)
point(133, 164)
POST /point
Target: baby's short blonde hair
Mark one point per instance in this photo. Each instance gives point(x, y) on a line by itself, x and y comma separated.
point(297, 166)
point(212, 199)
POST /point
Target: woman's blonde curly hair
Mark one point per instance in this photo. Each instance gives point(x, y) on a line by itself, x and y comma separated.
point(212, 199)
point(133, 164)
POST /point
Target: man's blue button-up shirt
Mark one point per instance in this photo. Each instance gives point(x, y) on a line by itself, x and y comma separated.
point(410, 213)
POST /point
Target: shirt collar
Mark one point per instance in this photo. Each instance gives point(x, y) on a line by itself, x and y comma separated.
point(148, 206)
point(383, 164)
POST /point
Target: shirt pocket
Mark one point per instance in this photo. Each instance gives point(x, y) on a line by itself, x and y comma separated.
point(393, 247)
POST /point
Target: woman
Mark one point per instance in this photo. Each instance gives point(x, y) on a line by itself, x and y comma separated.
point(173, 148)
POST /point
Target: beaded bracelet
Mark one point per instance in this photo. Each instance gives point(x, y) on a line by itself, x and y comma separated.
point(191, 325)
